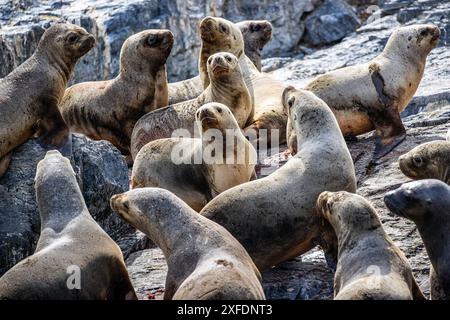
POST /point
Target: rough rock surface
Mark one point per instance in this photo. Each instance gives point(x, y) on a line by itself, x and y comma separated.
point(427, 118)
point(112, 21)
point(101, 172)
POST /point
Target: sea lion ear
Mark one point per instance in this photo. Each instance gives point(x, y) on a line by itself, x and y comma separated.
point(285, 98)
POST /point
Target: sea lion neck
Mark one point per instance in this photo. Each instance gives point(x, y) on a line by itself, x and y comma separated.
point(64, 67)
point(59, 199)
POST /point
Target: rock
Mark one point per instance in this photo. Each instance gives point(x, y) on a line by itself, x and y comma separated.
point(112, 21)
point(330, 22)
point(101, 172)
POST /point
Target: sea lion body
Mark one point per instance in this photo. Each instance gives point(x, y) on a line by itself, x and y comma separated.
point(70, 240)
point(30, 94)
point(173, 163)
point(204, 261)
point(426, 203)
point(108, 110)
point(275, 217)
point(372, 95)
point(228, 87)
point(370, 266)
point(430, 160)
point(256, 34)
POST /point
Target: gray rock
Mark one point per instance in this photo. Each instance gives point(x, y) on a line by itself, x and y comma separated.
point(330, 22)
point(101, 172)
point(112, 21)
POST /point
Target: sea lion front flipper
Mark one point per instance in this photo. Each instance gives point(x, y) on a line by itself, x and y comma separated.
point(390, 132)
point(51, 128)
point(4, 163)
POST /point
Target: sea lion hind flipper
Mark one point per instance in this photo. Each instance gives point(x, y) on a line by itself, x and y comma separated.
point(390, 132)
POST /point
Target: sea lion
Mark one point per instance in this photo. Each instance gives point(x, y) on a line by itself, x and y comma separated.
point(185, 166)
point(370, 266)
point(269, 120)
point(275, 217)
point(256, 34)
point(30, 94)
point(204, 260)
point(430, 160)
point(426, 203)
point(227, 87)
point(74, 257)
point(108, 110)
point(372, 95)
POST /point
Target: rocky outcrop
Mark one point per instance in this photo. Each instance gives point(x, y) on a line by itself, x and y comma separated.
point(23, 22)
point(101, 172)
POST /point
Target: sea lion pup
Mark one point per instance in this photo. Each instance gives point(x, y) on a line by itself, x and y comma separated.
point(30, 94)
point(372, 95)
point(265, 90)
point(275, 217)
point(370, 266)
point(430, 160)
point(74, 257)
point(185, 165)
point(204, 260)
point(109, 109)
point(256, 34)
point(426, 203)
point(227, 87)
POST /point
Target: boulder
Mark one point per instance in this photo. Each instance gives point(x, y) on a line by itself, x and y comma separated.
point(101, 172)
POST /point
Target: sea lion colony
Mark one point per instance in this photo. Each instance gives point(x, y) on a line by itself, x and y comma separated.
point(242, 225)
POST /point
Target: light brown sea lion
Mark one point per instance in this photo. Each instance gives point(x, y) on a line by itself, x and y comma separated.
point(370, 266)
point(256, 34)
point(204, 260)
point(30, 94)
point(227, 87)
point(275, 217)
point(108, 110)
point(372, 95)
point(427, 203)
point(74, 257)
point(430, 160)
point(265, 90)
point(186, 167)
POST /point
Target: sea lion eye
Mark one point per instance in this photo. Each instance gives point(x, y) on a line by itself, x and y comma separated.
point(222, 28)
point(209, 60)
point(417, 160)
point(228, 58)
point(423, 33)
point(72, 38)
point(291, 102)
point(255, 27)
point(219, 109)
point(151, 40)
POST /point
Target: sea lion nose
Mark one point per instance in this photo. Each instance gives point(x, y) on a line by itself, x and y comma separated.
point(218, 60)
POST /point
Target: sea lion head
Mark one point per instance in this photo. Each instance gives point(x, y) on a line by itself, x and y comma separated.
point(414, 40)
point(427, 161)
point(56, 180)
point(419, 200)
point(347, 210)
point(66, 40)
point(219, 35)
point(215, 115)
point(147, 208)
point(151, 47)
point(309, 115)
point(256, 33)
point(223, 66)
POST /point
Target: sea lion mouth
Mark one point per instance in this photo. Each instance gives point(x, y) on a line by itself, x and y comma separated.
point(208, 121)
point(394, 204)
point(87, 44)
point(218, 70)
